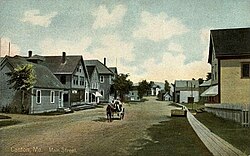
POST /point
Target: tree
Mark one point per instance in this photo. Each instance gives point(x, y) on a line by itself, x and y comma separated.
point(200, 80)
point(122, 85)
point(167, 87)
point(209, 76)
point(22, 78)
point(143, 88)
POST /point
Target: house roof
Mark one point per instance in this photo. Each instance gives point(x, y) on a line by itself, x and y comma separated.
point(44, 77)
point(114, 70)
point(101, 68)
point(211, 91)
point(186, 83)
point(90, 70)
point(1, 58)
point(229, 43)
point(54, 63)
point(206, 83)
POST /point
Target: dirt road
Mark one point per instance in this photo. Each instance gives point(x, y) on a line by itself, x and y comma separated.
point(84, 132)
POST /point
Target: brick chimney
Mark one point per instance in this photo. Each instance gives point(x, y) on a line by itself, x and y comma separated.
point(63, 57)
point(104, 61)
point(29, 53)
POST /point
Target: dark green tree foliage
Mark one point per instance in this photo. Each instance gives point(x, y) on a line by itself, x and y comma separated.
point(143, 88)
point(167, 87)
point(122, 85)
point(22, 78)
point(200, 80)
point(209, 76)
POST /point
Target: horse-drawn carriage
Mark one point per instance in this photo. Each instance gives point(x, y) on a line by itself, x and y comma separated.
point(115, 108)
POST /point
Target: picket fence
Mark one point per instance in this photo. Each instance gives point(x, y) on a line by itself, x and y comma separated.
point(235, 112)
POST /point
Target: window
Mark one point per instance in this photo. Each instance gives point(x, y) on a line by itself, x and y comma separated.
point(38, 96)
point(63, 79)
point(52, 97)
point(75, 80)
point(82, 81)
point(85, 84)
point(86, 97)
point(102, 92)
point(101, 79)
point(245, 70)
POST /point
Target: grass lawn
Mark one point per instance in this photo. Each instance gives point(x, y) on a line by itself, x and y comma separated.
point(230, 131)
point(194, 106)
point(174, 137)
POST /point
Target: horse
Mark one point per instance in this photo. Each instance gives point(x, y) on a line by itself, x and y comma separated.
point(109, 110)
point(116, 109)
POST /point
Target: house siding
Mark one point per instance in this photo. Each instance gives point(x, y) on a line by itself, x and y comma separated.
point(6, 94)
point(234, 89)
point(214, 70)
point(185, 94)
point(133, 95)
point(185, 89)
point(45, 105)
point(75, 92)
point(105, 86)
point(95, 84)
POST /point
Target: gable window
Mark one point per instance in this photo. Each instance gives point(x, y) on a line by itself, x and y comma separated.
point(82, 81)
point(75, 80)
point(52, 97)
point(102, 79)
point(245, 70)
point(38, 96)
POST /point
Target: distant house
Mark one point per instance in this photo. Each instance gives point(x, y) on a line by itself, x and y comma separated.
point(113, 92)
point(72, 73)
point(114, 70)
point(133, 94)
point(105, 77)
point(207, 93)
point(155, 89)
point(186, 90)
point(167, 97)
point(229, 56)
point(95, 94)
point(45, 96)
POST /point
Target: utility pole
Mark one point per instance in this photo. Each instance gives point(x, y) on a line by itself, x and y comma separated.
point(9, 48)
point(192, 96)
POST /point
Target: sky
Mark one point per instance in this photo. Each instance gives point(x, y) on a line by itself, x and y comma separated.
point(154, 40)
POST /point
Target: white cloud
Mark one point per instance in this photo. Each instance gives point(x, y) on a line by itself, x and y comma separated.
point(34, 17)
point(172, 68)
point(56, 47)
point(104, 18)
point(174, 47)
point(205, 35)
point(159, 27)
point(112, 48)
point(14, 48)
